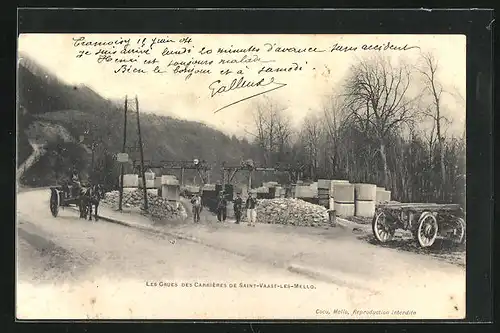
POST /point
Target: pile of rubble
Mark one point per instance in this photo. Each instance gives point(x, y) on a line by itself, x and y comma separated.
point(291, 211)
point(159, 207)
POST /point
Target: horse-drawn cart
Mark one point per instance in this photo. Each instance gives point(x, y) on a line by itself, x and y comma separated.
point(63, 196)
point(426, 221)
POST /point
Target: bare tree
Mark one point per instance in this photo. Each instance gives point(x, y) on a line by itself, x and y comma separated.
point(311, 137)
point(377, 97)
point(429, 71)
point(336, 127)
point(273, 130)
point(259, 116)
point(283, 134)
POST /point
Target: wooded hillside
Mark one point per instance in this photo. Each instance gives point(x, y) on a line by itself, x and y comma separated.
point(82, 112)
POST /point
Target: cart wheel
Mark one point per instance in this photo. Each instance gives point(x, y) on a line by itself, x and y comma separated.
point(381, 230)
point(459, 232)
point(427, 229)
point(54, 203)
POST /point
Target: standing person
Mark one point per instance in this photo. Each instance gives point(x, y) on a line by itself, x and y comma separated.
point(75, 177)
point(75, 182)
point(251, 205)
point(196, 202)
point(222, 208)
point(238, 206)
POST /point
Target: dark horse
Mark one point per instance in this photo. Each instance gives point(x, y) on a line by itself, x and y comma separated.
point(90, 196)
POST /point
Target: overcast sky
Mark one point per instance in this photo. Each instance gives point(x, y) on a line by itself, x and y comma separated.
point(305, 90)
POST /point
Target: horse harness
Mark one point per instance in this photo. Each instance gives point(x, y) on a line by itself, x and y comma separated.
point(93, 193)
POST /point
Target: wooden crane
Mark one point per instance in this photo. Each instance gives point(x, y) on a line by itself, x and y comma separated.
point(202, 167)
point(228, 172)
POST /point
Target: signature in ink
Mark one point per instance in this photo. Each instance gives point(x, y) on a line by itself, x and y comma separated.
point(217, 87)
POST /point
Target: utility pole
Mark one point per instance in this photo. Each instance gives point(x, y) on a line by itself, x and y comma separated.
point(143, 172)
point(122, 167)
point(92, 163)
point(250, 179)
point(223, 171)
point(94, 145)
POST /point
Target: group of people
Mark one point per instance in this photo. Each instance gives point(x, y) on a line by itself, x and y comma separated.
point(250, 207)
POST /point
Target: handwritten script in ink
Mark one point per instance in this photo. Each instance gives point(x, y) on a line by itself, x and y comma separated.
point(237, 69)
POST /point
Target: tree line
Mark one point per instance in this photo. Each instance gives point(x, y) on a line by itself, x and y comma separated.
point(384, 125)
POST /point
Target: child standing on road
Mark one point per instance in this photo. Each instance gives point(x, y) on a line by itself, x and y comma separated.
point(251, 205)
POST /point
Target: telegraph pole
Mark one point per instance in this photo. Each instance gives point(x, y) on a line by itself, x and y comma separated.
point(250, 179)
point(122, 167)
point(94, 145)
point(223, 170)
point(143, 172)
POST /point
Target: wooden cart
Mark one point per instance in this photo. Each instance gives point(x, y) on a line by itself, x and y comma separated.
point(61, 196)
point(426, 221)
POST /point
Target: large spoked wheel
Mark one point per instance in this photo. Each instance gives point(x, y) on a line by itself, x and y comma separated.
point(382, 231)
point(54, 203)
point(459, 231)
point(427, 229)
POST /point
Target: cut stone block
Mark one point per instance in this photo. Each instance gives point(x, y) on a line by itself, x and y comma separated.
point(383, 196)
point(324, 184)
point(149, 175)
point(149, 183)
point(336, 181)
point(304, 192)
point(170, 192)
point(364, 208)
point(343, 192)
point(365, 192)
point(169, 180)
point(130, 180)
point(344, 209)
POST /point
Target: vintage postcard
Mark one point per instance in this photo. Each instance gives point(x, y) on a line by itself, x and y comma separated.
point(241, 176)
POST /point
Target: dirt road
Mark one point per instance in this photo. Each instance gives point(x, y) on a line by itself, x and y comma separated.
point(70, 268)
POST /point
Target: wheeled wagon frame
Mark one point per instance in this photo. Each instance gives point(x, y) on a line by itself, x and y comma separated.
point(426, 221)
point(58, 199)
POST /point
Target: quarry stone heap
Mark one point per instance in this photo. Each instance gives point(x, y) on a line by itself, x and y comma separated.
point(159, 207)
point(291, 212)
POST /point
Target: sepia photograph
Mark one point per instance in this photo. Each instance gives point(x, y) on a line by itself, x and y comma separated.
point(241, 176)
